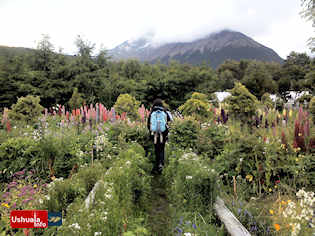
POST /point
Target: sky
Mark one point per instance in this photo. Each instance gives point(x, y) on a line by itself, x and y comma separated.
point(107, 23)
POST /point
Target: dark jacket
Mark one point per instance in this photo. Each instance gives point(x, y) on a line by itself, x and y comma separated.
point(155, 108)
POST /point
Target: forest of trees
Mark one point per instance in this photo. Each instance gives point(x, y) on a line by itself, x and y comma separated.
point(53, 77)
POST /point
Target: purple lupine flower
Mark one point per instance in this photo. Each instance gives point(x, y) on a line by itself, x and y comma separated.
point(113, 114)
point(194, 226)
point(181, 221)
point(179, 230)
point(239, 210)
point(6, 194)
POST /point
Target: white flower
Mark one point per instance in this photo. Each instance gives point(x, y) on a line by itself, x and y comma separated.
point(188, 177)
point(47, 197)
point(187, 234)
point(97, 233)
point(75, 226)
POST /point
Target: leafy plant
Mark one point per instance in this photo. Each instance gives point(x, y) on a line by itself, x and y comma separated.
point(184, 133)
point(128, 104)
point(242, 104)
point(196, 106)
point(26, 109)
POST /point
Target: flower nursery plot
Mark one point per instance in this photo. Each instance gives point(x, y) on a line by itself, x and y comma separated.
point(94, 165)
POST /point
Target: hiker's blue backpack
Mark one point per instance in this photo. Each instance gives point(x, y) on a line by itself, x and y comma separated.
point(158, 121)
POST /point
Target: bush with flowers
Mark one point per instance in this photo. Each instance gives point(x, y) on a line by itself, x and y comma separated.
point(294, 216)
point(24, 191)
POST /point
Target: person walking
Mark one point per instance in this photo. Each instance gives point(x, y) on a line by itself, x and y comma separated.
point(158, 126)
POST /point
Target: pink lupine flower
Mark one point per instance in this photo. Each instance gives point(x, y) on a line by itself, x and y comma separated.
point(8, 125)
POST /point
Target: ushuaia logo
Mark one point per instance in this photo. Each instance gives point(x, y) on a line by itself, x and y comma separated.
point(29, 219)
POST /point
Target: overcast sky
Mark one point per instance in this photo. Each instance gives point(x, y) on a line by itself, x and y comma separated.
point(274, 23)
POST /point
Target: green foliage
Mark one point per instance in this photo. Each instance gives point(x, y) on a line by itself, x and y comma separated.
point(27, 109)
point(312, 108)
point(267, 101)
point(127, 103)
point(184, 133)
point(76, 100)
point(242, 104)
point(211, 140)
point(258, 80)
point(196, 106)
point(18, 153)
point(192, 191)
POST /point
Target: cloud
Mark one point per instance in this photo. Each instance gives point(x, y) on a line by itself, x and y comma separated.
point(111, 22)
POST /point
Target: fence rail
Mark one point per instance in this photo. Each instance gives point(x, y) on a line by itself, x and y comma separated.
point(232, 224)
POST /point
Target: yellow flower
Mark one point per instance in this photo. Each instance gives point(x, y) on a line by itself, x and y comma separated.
point(277, 227)
point(5, 205)
point(284, 112)
point(249, 178)
point(289, 201)
point(35, 185)
point(290, 113)
point(271, 212)
point(283, 203)
point(270, 189)
point(297, 159)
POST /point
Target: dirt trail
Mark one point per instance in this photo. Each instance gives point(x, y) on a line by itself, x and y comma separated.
point(160, 215)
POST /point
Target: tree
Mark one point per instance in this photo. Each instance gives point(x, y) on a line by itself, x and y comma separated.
point(241, 104)
point(226, 80)
point(295, 58)
point(44, 55)
point(76, 100)
point(308, 14)
point(257, 80)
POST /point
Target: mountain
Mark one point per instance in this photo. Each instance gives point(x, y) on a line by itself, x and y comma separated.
point(213, 49)
point(14, 51)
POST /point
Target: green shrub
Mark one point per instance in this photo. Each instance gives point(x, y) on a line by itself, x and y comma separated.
point(242, 104)
point(196, 106)
point(127, 103)
point(267, 101)
point(62, 192)
point(211, 140)
point(193, 186)
point(27, 109)
point(76, 100)
point(184, 133)
point(19, 153)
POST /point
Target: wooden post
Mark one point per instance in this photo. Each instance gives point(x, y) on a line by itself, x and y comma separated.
point(232, 224)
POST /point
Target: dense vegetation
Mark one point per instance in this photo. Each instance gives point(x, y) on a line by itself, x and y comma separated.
point(54, 76)
point(258, 159)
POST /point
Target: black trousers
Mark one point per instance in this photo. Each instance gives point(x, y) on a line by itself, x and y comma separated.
point(159, 153)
